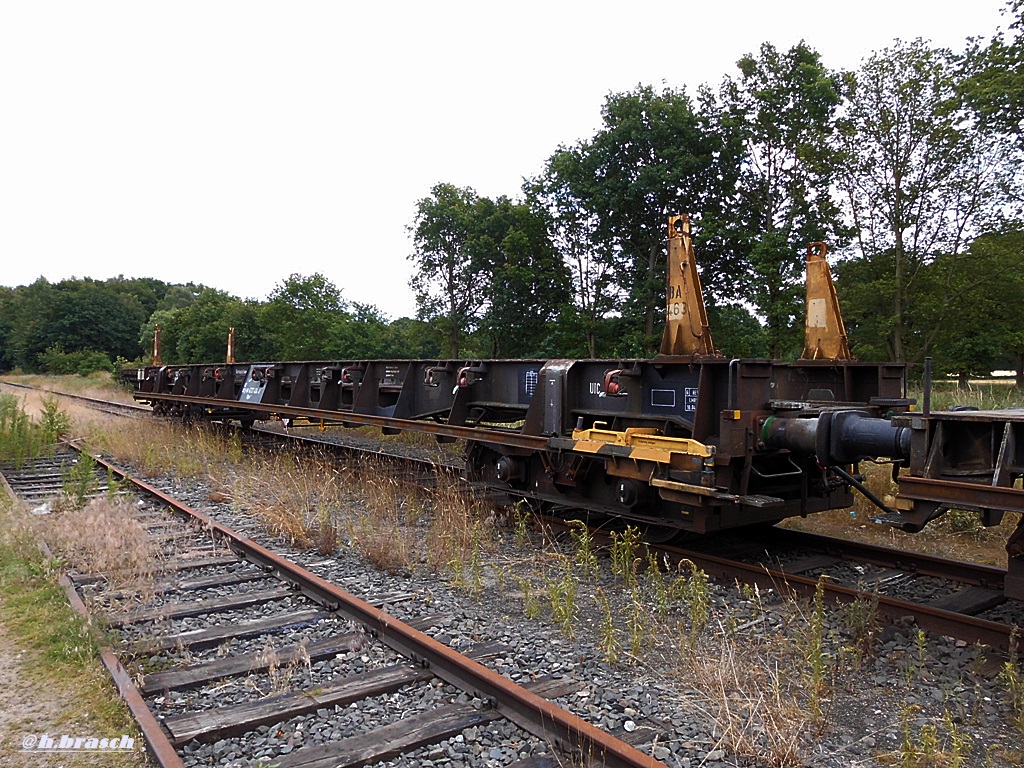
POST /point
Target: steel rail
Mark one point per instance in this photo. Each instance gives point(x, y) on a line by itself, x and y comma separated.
point(933, 619)
point(918, 563)
point(479, 434)
point(155, 737)
point(943, 622)
point(528, 710)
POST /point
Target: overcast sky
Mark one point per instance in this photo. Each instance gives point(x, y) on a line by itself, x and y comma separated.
point(235, 143)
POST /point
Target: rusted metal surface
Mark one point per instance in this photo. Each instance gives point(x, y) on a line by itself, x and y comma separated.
point(528, 710)
point(960, 494)
point(156, 357)
point(160, 747)
point(933, 619)
point(969, 628)
point(514, 439)
point(824, 331)
point(917, 563)
point(686, 320)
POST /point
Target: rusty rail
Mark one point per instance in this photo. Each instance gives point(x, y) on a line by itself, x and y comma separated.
point(528, 710)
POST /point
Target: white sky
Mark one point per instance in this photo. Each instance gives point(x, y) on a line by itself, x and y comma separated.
point(234, 143)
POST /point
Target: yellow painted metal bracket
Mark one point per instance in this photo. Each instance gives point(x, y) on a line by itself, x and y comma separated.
point(641, 444)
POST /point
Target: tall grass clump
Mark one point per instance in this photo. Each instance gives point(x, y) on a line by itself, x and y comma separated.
point(1012, 679)
point(766, 685)
point(104, 537)
point(294, 495)
point(21, 438)
point(382, 514)
point(460, 527)
point(57, 649)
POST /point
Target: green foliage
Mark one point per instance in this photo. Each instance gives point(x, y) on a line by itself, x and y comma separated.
point(72, 316)
point(817, 662)
point(79, 481)
point(625, 549)
point(485, 273)
point(302, 316)
point(782, 110)
point(608, 197)
point(921, 178)
point(584, 557)
point(20, 438)
point(56, 361)
point(53, 422)
point(737, 333)
point(608, 640)
point(995, 85)
point(562, 598)
point(1012, 679)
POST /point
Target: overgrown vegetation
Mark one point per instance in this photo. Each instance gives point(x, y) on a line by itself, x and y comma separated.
point(21, 438)
point(736, 656)
point(57, 650)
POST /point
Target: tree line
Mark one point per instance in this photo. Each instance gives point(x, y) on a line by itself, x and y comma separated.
point(80, 326)
point(907, 167)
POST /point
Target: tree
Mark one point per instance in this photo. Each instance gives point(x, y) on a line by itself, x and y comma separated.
point(609, 199)
point(448, 273)
point(984, 288)
point(73, 316)
point(595, 293)
point(921, 179)
point(737, 332)
point(524, 282)
point(199, 332)
point(302, 316)
point(995, 86)
point(782, 108)
point(8, 303)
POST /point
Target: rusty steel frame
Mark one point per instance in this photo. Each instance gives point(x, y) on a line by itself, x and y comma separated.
point(479, 434)
point(531, 712)
point(961, 494)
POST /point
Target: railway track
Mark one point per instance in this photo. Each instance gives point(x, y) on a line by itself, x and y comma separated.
point(942, 595)
point(340, 670)
point(952, 597)
point(96, 403)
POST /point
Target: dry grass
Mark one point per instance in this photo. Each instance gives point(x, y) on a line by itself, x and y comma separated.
point(100, 385)
point(381, 525)
point(56, 653)
point(104, 537)
point(752, 697)
point(988, 394)
point(296, 497)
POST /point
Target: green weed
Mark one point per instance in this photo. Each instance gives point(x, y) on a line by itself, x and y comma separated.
point(625, 546)
point(608, 640)
point(584, 557)
point(79, 481)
